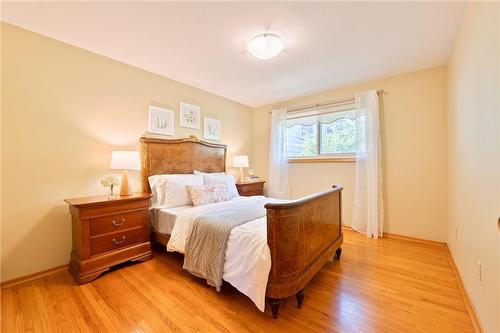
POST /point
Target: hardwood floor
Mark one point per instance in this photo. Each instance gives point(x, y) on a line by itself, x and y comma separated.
point(385, 285)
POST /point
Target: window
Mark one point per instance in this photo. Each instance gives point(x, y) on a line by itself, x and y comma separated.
point(302, 140)
point(322, 134)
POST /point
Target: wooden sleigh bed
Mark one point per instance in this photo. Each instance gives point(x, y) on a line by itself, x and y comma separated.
point(301, 234)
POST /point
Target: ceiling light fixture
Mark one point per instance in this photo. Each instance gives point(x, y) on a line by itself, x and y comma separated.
point(265, 46)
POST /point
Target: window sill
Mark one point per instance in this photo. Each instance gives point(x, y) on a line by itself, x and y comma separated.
point(330, 159)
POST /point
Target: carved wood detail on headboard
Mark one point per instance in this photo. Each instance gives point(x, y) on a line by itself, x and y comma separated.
point(168, 156)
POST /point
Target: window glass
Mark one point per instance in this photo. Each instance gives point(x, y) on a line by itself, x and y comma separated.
point(302, 140)
point(324, 134)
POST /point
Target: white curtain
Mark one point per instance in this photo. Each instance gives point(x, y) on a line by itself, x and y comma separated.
point(278, 165)
point(368, 215)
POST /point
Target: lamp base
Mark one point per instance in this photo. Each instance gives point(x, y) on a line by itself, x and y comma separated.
point(242, 177)
point(125, 188)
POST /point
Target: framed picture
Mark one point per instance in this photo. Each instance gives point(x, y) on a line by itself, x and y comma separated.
point(160, 121)
point(190, 116)
point(211, 128)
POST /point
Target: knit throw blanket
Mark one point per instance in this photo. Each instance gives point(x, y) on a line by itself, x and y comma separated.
point(207, 242)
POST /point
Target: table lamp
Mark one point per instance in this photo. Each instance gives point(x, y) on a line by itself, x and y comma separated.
point(125, 160)
point(240, 161)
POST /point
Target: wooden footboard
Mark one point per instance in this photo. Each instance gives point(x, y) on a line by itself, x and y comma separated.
point(302, 235)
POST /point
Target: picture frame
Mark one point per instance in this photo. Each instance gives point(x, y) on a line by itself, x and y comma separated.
point(189, 116)
point(160, 120)
point(211, 128)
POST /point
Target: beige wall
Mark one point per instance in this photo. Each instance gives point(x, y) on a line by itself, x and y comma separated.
point(413, 150)
point(64, 109)
point(474, 157)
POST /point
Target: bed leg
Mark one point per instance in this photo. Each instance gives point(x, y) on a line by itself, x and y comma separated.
point(275, 306)
point(338, 253)
point(300, 298)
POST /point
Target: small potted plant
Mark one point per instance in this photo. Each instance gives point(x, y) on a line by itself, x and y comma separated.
point(109, 182)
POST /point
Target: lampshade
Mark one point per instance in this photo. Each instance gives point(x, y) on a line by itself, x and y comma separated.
point(125, 160)
point(240, 161)
point(266, 46)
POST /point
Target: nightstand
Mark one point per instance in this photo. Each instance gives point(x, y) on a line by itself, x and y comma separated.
point(250, 188)
point(107, 232)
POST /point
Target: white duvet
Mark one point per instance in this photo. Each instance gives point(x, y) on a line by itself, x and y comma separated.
point(248, 259)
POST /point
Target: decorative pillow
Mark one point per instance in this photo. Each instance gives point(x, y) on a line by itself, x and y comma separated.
point(205, 194)
point(229, 180)
point(171, 189)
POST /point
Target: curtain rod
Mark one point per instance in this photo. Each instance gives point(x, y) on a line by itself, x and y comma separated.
point(327, 103)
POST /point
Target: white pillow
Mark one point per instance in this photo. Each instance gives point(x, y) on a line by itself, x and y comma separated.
point(171, 189)
point(153, 181)
point(197, 172)
point(209, 179)
point(205, 194)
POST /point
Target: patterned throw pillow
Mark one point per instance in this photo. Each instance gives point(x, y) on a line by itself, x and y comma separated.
point(205, 194)
point(229, 180)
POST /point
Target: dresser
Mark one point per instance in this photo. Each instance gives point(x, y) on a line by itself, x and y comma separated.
point(107, 232)
point(250, 188)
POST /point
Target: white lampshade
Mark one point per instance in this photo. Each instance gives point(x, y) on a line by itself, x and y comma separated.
point(240, 161)
point(125, 160)
point(266, 46)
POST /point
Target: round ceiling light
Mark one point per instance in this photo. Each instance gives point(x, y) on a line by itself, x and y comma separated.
point(265, 46)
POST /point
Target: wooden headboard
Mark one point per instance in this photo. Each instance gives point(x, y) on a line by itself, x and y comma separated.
point(167, 156)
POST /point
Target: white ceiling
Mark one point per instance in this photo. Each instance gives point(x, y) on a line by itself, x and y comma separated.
point(203, 44)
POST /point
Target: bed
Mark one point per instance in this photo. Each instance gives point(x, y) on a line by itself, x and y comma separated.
point(273, 256)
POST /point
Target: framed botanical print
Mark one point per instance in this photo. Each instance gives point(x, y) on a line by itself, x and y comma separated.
point(211, 128)
point(160, 121)
point(189, 116)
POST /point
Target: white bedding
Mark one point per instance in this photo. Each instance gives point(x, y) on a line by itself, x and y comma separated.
point(248, 259)
point(165, 218)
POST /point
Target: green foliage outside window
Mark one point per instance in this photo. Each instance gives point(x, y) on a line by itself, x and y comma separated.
point(336, 138)
point(339, 136)
point(310, 146)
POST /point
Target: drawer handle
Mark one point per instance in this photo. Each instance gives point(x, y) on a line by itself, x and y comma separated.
point(118, 224)
point(117, 242)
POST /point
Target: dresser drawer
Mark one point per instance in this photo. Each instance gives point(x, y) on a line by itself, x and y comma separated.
point(111, 223)
point(252, 187)
point(117, 240)
point(250, 193)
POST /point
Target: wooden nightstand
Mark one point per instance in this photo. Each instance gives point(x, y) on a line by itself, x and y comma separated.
point(107, 232)
point(250, 188)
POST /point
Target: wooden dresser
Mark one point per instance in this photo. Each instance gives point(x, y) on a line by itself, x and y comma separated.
point(107, 232)
point(250, 188)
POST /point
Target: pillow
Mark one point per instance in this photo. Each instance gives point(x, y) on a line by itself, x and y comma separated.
point(205, 194)
point(153, 180)
point(171, 189)
point(197, 172)
point(209, 179)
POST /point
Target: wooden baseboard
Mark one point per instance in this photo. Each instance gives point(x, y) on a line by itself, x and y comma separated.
point(34, 276)
point(406, 238)
point(468, 303)
point(413, 239)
